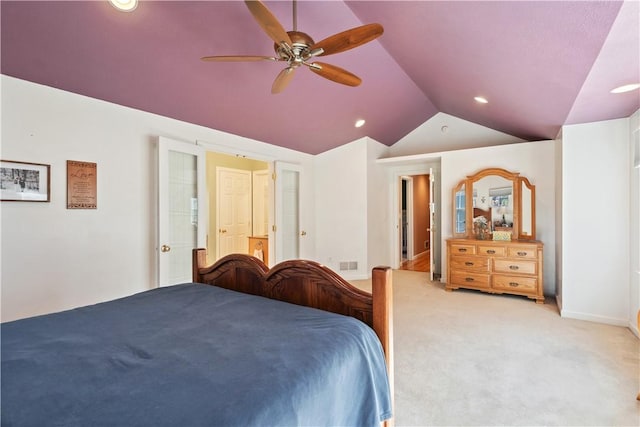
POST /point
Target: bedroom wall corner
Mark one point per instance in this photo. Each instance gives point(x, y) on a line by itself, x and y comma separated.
point(378, 200)
point(634, 215)
point(558, 218)
point(341, 214)
point(595, 221)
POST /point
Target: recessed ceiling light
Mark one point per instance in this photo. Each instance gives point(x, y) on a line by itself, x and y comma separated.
point(124, 5)
point(626, 88)
point(360, 123)
point(481, 99)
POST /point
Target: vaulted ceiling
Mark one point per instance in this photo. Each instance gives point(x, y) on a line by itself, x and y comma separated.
point(541, 64)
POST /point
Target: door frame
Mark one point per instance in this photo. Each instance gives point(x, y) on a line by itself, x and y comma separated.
point(422, 168)
point(270, 160)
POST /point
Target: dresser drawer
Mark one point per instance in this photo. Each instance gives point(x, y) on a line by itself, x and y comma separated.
point(462, 249)
point(466, 279)
point(526, 252)
point(514, 266)
point(470, 263)
point(515, 283)
point(492, 250)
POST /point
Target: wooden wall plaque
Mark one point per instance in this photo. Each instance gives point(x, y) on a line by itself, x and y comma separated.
point(82, 185)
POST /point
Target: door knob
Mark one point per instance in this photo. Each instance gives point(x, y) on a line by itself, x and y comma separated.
point(303, 233)
point(222, 230)
point(165, 248)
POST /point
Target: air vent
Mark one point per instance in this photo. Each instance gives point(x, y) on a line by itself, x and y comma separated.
point(348, 265)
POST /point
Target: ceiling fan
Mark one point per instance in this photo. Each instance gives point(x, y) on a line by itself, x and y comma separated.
point(297, 48)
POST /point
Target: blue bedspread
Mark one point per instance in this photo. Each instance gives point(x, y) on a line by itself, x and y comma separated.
point(192, 355)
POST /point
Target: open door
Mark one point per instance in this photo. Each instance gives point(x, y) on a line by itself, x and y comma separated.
point(432, 222)
point(182, 208)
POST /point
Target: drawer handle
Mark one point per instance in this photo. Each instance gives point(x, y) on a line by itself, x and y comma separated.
point(468, 279)
point(513, 267)
point(522, 254)
point(468, 263)
point(514, 284)
point(491, 252)
point(462, 250)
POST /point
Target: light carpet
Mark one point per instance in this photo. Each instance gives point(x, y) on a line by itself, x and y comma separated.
point(466, 358)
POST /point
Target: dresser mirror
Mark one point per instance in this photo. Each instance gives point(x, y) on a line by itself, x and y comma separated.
point(492, 200)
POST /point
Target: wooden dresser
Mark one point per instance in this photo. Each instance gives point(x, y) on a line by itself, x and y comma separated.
point(499, 267)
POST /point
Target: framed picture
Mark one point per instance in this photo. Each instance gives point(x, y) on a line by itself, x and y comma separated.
point(82, 185)
point(24, 182)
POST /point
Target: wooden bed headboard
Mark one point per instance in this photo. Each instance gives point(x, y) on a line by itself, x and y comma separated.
point(310, 284)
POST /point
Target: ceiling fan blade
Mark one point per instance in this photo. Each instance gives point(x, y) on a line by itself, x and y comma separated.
point(337, 74)
point(348, 39)
point(268, 22)
point(237, 58)
point(282, 80)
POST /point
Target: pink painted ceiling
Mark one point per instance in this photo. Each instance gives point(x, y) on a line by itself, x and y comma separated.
point(541, 64)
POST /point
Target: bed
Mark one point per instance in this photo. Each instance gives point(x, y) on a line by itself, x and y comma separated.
point(294, 345)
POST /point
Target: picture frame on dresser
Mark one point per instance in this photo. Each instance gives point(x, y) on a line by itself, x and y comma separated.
point(506, 258)
point(24, 181)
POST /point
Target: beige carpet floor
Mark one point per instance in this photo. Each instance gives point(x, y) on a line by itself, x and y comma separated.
point(465, 358)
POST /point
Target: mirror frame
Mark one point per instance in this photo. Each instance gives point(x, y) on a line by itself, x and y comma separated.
point(517, 184)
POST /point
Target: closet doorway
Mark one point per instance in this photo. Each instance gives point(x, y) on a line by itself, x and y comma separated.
point(239, 199)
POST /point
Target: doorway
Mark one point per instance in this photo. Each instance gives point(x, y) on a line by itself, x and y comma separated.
point(415, 223)
point(231, 215)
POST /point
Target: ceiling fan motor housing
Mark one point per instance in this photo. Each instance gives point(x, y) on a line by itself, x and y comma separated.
point(299, 51)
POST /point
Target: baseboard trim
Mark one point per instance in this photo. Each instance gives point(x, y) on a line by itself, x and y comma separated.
point(594, 318)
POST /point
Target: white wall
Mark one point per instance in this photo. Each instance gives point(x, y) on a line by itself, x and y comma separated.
point(341, 207)
point(558, 219)
point(534, 160)
point(634, 215)
point(378, 220)
point(596, 223)
point(444, 132)
point(54, 258)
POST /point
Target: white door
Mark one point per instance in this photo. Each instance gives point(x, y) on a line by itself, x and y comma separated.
point(287, 212)
point(182, 209)
point(261, 200)
point(432, 222)
point(233, 204)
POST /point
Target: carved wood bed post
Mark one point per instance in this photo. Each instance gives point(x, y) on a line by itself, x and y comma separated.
point(382, 291)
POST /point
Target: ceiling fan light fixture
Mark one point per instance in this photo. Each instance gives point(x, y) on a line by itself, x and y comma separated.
point(124, 5)
point(481, 100)
point(626, 88)
point(360, 123)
